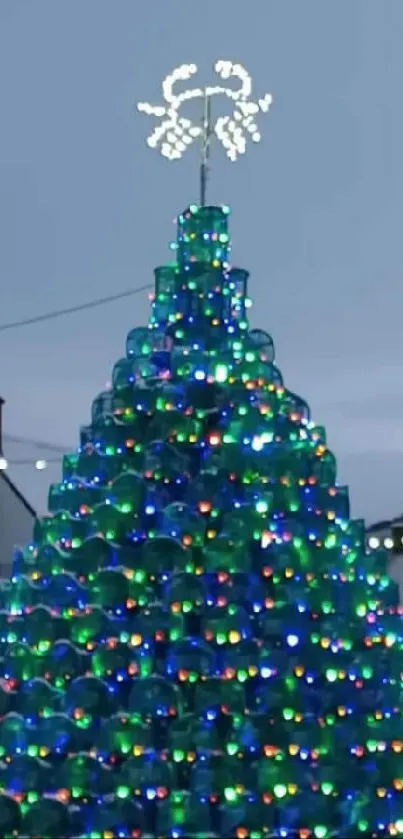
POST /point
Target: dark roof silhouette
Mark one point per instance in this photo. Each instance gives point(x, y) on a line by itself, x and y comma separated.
point(387, 523)
point(17, 493)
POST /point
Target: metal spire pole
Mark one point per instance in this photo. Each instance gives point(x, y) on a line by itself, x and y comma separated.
point(205, 149)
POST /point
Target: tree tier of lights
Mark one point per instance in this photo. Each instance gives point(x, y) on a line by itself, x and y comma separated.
point(196, 643)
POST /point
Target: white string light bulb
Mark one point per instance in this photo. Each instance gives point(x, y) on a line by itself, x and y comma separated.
point(175, 133)
point(39, 465)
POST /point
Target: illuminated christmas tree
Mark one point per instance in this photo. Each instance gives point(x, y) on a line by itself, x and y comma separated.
point(196, 642)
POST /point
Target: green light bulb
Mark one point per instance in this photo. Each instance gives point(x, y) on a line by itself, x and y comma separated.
point(221, 373)
point(126, 507)
point(331, 675)
point(327, 788)
point(280, 790)
point(390, 639)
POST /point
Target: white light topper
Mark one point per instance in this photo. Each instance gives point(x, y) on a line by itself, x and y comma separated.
point(175, 133)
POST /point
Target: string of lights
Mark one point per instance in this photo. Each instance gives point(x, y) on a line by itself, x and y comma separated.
point(38, 463)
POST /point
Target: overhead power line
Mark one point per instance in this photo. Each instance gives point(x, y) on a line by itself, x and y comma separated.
point(71, 310)
point(38, 444)
point(39, 463)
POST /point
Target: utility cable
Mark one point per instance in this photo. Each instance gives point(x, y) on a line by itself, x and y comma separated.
point(40, 463)
point(38, 444)
point(71, 310)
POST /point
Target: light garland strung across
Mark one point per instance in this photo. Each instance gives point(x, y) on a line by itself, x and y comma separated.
point(39, 464)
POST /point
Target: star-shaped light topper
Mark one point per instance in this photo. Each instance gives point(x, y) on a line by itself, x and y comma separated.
point(176, 133)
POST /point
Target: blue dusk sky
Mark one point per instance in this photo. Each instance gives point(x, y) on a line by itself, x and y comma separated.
point(86, 208)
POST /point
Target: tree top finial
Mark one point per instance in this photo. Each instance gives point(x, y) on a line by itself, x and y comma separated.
point(175, 133)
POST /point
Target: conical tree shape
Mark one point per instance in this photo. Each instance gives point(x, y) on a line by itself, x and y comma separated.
point(196, 642)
